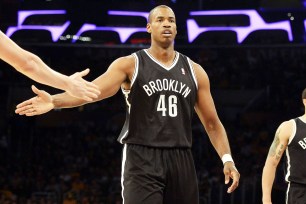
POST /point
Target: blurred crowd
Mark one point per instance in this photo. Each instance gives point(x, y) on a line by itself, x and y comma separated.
point(71, 156)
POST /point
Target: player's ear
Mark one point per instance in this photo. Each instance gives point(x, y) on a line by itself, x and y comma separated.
point(148, 27)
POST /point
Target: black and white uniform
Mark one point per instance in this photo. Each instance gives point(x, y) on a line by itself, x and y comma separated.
point(157, 164)
point(296, 165)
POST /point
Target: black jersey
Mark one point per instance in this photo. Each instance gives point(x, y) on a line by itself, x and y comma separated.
point(296, 154)
point(160, 103)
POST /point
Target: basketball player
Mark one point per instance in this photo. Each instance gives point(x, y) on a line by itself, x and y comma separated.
point(162, 87)
point(32, 66)
point(290, 136)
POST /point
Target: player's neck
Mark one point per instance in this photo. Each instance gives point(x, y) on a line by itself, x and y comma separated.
point(303, 117)
point(164, 55)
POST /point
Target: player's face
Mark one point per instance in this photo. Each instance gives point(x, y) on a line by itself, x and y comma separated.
point(163, 25)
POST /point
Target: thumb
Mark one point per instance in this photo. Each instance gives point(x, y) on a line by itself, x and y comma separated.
point(36, 90)
point(43, 94)
point(84, 72)
point(227, 179)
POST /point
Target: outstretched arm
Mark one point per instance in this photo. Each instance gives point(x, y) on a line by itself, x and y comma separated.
point(119, 72)
point(32, 66)
point(207, 113)
point(276, 151)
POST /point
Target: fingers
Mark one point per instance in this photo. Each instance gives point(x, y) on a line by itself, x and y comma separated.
point(235, 176)
point(231, 172)
point(93, 89)
point(87, 98)
point(25, 103)
point(25, 108)
point(92, 86)
point(83, 89)
point(227, 178)
point(84, 72)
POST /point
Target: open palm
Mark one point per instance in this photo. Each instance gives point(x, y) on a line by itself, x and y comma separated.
point(40, 104)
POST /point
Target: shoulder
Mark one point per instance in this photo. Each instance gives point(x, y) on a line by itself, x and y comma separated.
point(125, 61)
point(286, 128)
point(200, 74)
point(125, 64)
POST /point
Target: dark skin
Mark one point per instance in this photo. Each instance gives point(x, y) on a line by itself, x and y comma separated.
point(162, 27)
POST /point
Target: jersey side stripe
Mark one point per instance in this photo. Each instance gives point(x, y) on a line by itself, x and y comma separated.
point(122, 171)
point(288, 165)
point(136, 69)
point(293, 131)
point(192, 72)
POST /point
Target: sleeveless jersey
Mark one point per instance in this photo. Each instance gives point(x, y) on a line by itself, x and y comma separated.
point(296, 154)
point(160, 103)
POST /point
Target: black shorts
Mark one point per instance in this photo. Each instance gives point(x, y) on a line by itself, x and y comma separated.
point(158, 176)
point(296, 193)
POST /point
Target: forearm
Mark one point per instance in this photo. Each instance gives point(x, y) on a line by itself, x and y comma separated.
point(218, 138)
point(30, 65)
point(64, 100)
point(33, 67)
point(268, 177)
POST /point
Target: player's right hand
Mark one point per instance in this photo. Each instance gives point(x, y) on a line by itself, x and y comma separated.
point(37, 105)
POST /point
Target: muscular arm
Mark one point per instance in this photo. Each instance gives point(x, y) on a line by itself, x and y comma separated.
point(276, 151)
point(33, 67)
point(118, 74)
point(207, 113)
point(109, 83)
point(30, 64)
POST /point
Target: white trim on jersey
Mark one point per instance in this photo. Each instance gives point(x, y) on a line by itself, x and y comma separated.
point(122, 171)
point(287, 193)
point(288, 165)
point(293, 131)
point(124, 136)
point(287, 151)
point(302, 119)
point(136, 69)
point(162, 65)
point(192, 72)
point(126, 96)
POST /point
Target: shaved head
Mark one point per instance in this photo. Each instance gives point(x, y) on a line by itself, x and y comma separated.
point(154, 9)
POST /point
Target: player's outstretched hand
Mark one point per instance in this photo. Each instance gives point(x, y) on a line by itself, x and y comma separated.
point(231, 172)
point(37, 105)
point(80, 88)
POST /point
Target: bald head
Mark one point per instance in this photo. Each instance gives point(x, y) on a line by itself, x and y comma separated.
point(156, 8)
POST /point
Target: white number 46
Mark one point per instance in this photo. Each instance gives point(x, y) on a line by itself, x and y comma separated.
point(172, 105)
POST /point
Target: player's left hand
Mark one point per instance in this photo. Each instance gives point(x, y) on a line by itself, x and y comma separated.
point(231, 172)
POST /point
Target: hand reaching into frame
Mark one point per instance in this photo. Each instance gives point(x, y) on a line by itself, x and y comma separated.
point(40, 104)
point(80, 88)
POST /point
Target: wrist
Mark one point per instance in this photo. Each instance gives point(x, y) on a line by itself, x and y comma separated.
point(227, 158)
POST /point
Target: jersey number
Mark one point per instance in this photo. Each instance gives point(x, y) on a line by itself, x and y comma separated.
point(172, 105)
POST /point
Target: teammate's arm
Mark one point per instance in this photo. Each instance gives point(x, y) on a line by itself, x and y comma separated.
point(32, 66)
point(207, 113)
point(109, 83)
point(276, 151)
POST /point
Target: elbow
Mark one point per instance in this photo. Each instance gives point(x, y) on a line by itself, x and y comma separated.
point(213, 125)
point(28, 64)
